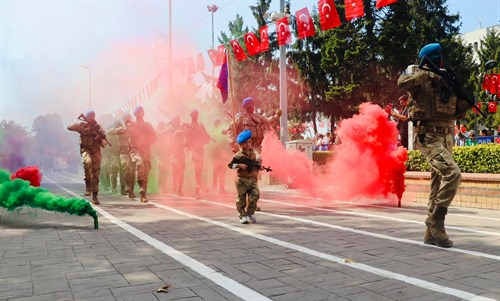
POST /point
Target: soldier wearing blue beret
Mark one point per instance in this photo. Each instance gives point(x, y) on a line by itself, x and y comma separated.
point(246, 183)
point(433, 110)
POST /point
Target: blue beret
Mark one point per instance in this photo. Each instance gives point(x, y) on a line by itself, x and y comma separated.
point(89, 112)
point(138, 109)
point(429, 49)
point(244, 136)
point(246, 101)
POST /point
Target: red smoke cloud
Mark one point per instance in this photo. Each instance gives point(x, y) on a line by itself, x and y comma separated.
point(30, 174)
point(367, 164)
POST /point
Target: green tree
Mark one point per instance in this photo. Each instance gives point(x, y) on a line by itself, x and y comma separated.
point(14, 145)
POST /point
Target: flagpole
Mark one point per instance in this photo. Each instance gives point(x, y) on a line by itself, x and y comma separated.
point(231, 93)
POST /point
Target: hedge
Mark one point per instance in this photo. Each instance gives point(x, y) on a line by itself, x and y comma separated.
point(483, 158)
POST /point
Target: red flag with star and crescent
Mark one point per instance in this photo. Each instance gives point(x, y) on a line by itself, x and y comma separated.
point(328, 15)
point(354, 9)
point(305, 25)
point(212, 54)
point(283, 31)
point(382, 3)
point(221, 55)
point(238, 50)
point(264, 38)
point(492, 107)
point(252, 44)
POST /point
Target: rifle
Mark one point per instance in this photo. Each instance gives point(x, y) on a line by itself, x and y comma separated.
point(93, 127)
point(452, 80)
point(250, 163)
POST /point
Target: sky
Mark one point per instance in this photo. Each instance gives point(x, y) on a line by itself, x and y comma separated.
point(49, 47)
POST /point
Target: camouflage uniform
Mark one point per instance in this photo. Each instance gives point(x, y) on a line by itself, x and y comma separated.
point(246, 184)
point(91, 136)
point(177, 156)
point(218, 153)
point(434, 139)
point(198, 137)
point(127, 170)
point(254, 122)
point(142, 137)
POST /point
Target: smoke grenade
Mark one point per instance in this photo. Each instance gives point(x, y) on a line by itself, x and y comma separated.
point(18, 192)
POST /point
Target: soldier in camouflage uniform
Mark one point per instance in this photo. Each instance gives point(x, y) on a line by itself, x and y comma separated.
point(177, 154)
point(246, 182)
point(198, 137)
point(114, 162)
point(127, 169)
point(434, 118)
point(92, 138)
point(249, 120)
point(141, 137)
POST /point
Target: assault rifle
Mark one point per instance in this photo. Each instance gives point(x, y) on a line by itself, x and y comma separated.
point(452, 80)
point(94, 128)
point(250, 163)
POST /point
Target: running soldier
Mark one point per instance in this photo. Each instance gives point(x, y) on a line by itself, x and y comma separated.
point(92, 138)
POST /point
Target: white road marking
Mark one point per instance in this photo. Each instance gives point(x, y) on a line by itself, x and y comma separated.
point(229, 284)
point(359, 266)
point(362, 232)
point(387, 207)
point(380, 217)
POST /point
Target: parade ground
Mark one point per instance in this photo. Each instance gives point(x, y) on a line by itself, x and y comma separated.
point(301, 248)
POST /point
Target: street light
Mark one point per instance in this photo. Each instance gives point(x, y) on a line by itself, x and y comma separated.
point(212, 8)
point(90, 85)
point(490, 64)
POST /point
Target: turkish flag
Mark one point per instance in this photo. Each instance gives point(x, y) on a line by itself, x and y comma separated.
point(283, 31)
point(328, 16)
point(252, 43)
point(305, 25)
point(354, 9)
point(264, 38)
point(478, 105)
point(382, 3)
point(486, 82)
point(498, 87)
point(494, 83)
point(492, 106)
point(212, 54)
point(199, 62)
point(238, 50)
point(221, 55)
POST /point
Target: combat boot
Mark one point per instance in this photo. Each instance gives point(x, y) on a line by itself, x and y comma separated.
point(131, 194)
point(144, 199)
point(123, 190)
point(95, 200)
point(87, 188)
point(438, 232)
point(428, 239)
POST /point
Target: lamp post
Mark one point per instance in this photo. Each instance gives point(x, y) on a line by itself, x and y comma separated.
point(90, 84)
point(212, 8)
point(487, 66)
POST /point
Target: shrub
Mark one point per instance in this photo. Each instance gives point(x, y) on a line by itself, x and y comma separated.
point(483, 158)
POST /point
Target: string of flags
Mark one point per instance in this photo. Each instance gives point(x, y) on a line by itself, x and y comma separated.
point(328, 17)
point(491, 84)
point(144, 94)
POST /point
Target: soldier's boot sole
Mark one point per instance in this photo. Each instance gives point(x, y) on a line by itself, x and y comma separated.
point(428, 239)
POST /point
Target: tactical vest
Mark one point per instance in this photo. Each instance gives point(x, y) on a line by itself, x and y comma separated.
point(89, 139)
point(432, 99)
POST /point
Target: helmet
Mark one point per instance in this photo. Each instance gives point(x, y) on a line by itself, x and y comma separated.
point(138, 109)
point(244, 136)
point(89, 113)
point(127, 118)
point(193, 112)
point(247, 101)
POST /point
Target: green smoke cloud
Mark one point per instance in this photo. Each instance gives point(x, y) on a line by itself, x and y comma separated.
point(16, 193)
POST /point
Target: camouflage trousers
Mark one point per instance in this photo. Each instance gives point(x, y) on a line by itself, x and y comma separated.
point(110, 168)
point(247, 187)
point(445, 173)
point(178, 167)
point(142, 167)
point(198, 161)
point(127, 177)
point(91, 159)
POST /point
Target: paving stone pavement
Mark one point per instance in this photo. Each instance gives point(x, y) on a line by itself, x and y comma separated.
point(302, 248)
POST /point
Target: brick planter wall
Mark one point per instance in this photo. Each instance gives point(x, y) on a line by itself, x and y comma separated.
point(475, 191)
